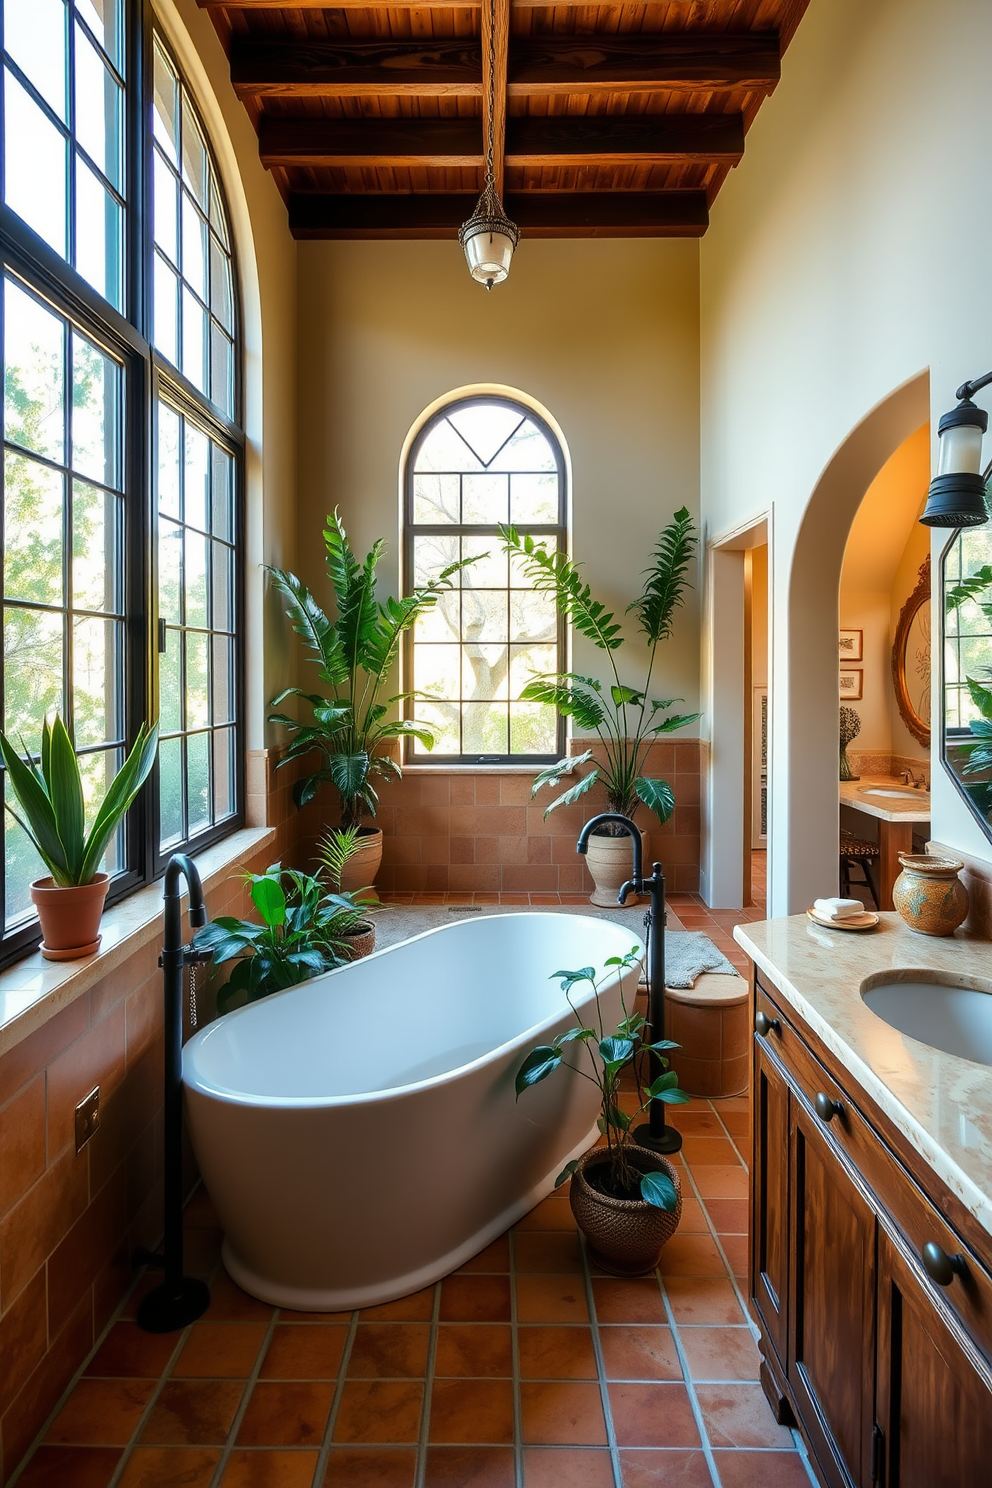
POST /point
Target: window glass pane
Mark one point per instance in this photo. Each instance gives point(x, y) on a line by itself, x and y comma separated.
point(490, 566)
point(221, 369)
point(97, 533)
point(197, 479)
point(485, 427)
point(103, 17)
point(485, 728)
point(166, 209)
point(170, 766)
point(96, 399)
point(99, 235)
point(221, 295)
point(22, 866)
point(168, 461)
point(32, 655)
point(442, 449)
point(198, 783)
point(165, 116)
point(221, 493)
point(527, 449)
point(194, 340)
point(166, 311)
point(98, 675)
point(194, 155)
point(195, 579)
point(533, 498)
point(222, 617)
point(485, 499)
point(170, 683)
point(194, 264)
point(35, 179)
point(224, 794)
point(197, 680)
point(533, 729)
point(34, 375)
point(170, 571)
point(97, 772)
point(436, 499)
point(222, 680)
point(99, 108)
point(444, 720)
point(34, 35)
point(32, 558)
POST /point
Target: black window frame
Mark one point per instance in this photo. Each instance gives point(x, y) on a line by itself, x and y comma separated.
point(147, 375)
point(558, 532)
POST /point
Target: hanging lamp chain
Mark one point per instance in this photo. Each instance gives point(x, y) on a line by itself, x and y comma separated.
point(490, 180)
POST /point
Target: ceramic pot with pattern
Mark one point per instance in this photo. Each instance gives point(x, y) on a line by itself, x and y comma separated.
point(626, 1236)
point(929, 895)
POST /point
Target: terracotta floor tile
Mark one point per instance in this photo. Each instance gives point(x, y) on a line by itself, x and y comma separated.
point(229, 1304)
point(720, 1353)
point(639, 1353)
point(729, 1216)
point(637, 1300)
point(129, 1352)
point(692, 1255)
point(703, 1299)
point(379, 1411)
point(469, 1467)
point(770, 1469)
point(551, 1299)
point(669, 1469)
point(697, 1120)
point(737, 1250)
point(307, 1351)
point(475, 1299)
point(220, 1351)
point(721, 1181)
point(693, 1221)
point(389, 1351)
point(70, 1467)
point(170, 1467)
point(553, 1213)
point(286, 1414)
point(201, 1252)
point(495, 1257)
point(733, 1103)
point(556, 1353)
point(417, 1308)
point(578, 1467)
point(474, 1350)
point(468, 1410)
point(370, 1467)
point(653, 1416)
point(568, 1415)
point(740, 1416)
point(193, 1413)
point(738, 1124)
point(100, 1413)
point(272, 1469)
point(290, 1315)
point(704, 1151)
point(547, 1250)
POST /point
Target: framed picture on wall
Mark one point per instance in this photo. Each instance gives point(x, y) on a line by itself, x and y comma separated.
point(850, 684)
point(850, 646)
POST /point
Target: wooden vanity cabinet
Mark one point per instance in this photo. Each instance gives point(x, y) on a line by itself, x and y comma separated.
point(887, 1374)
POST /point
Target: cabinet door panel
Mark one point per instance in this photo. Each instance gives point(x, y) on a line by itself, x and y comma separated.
point(934, 1400)
point(832, 1330)
point(770, 1203)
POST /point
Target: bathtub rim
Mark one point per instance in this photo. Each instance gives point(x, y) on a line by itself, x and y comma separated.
point(231, 1096)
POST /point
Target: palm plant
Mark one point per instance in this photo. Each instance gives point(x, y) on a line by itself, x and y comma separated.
point(354, 654)
point(623, 718)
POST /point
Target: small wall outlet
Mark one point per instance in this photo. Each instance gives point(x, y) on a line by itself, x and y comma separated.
point(87, 1117)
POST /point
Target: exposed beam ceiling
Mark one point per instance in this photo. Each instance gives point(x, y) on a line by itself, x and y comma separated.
point(495, 44)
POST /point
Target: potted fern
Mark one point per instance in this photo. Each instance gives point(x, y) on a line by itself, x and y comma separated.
point(50, 794)
point(347, 738)
point(624, 719)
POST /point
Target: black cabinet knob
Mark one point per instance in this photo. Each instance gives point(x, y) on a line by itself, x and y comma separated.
point(939, 1266)
point(765, 1025)
point(826, 1108)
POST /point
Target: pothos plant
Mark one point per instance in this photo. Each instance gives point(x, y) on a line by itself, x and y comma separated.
point(625, 719)
point(608, 1055)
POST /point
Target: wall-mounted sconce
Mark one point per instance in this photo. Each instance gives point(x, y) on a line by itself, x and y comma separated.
point(957, 491)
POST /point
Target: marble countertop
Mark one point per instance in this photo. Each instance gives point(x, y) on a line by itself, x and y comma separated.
point(911, 808)
point(941, 1104)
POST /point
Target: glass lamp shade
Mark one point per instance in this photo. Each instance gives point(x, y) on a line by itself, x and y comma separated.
point(488, 254)
point(957, 491)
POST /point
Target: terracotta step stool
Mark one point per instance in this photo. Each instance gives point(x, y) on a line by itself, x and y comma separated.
point(711, 1021)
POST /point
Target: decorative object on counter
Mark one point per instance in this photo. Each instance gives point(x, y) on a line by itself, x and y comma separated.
point(850, 645)
point(850, 728)
point(626, 1199)
point(838, 909)
point(957, 492)
point(866, 920)
point(851, 684)
point(929, 895)
point(355, 654)
point(50, 794)
point(911, 659)
point(624, 719)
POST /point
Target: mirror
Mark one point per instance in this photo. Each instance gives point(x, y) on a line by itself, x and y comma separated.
point(911, 659)
point(966, 745)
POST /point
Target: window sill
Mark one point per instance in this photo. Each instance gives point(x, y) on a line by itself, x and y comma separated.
point(476, 770)
point(33, 990)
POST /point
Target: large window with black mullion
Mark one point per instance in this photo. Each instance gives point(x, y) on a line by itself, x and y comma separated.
point(477, 463)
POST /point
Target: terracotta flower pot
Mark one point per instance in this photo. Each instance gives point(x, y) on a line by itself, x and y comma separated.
point(70, 918)
point(611, 862)
point(929, 895)
point(626, 1236)
point(360, 870)
point(361, 941)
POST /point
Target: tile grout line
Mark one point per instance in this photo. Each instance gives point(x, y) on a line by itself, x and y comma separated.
point(518, 1431)
point(324, 1452)
point(239, 1414)
point(604, 1392)
point(688, 1382)
point(425, 1409)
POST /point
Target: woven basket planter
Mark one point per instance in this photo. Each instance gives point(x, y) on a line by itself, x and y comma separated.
point(626, 1236)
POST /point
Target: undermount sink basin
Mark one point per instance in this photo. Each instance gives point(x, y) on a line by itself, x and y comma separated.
point(882, 790)
point(945, 1014)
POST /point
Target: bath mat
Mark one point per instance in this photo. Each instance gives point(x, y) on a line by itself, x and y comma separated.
point(688, 953)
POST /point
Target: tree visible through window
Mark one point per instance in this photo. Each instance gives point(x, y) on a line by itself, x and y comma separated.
point(477, 463)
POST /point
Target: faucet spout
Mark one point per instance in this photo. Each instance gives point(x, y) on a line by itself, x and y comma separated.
point(616, 817)
point(181, 866)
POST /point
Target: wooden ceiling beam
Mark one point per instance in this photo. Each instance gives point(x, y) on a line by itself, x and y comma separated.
point(559, 214)
point(569, 139)
point(555, 65)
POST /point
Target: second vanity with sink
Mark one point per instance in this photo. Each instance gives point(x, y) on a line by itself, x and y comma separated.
point(896, 808)
point(871, 1198)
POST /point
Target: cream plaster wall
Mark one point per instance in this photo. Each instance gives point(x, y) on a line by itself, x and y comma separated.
point(603, 334)
point(834, 279)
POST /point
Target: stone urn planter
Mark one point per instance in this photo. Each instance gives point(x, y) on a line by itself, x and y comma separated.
point(70, 917)
point(626, 1236)
point(361, 868)
point(611, 862)
point(929, 895)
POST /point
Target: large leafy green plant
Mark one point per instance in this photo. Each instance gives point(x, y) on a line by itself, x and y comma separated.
point(608, 1056)
point(351, 726)
point(50, 794)
point(975, 754)
point(624, 719)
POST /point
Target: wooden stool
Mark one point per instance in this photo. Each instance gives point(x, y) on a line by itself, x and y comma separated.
point(857, 850)
point(711, 1021)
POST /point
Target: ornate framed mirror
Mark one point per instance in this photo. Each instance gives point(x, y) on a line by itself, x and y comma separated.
point(911, 659)
point(966, 655)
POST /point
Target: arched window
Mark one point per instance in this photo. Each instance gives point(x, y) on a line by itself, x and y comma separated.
point(119, 340)
point(479, 462)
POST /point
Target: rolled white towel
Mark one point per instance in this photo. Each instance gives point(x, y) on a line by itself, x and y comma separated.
point(838, 909)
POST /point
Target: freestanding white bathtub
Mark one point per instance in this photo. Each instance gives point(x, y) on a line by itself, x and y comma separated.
point(359, 1135)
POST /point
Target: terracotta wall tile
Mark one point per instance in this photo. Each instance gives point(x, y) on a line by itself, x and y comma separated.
point(126, 1114)
point(539, 849)
point(434, 790)
point(143, 1015)
point(514, 790)
point(401, 850)
point(23, 1338)
point(487, 791)
point(463, 849)
point(474, 877)
point(22, 1143)
point(37, 1397)
point(25, 1059)
point(32, 1229)
point(115, 986)
point(531, 877)
point(436, 848)
point(95, 1059)
point(461, 790)
point(490, 849)
point(86, 1248)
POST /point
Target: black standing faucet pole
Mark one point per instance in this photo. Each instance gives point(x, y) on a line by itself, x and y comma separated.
point(180, 1299)
point(654, 1133)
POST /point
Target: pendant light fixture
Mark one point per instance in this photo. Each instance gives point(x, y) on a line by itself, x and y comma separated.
point(489, 237)
point(957, 492)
